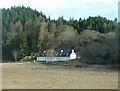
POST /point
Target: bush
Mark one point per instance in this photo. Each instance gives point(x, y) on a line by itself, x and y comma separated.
point(94, 53)
point(26, 58)
point(112, 43)
point(101, 53)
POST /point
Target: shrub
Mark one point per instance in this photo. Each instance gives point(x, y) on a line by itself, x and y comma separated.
point(101, 53)
point(26, 58)
point(94, 53)
point(112, 43)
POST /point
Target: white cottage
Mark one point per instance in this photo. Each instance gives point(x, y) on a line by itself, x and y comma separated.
point(61, 56)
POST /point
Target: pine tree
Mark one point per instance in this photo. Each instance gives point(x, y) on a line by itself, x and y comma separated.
point(23, 47)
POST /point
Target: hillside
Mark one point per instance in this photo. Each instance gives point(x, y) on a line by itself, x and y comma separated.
point(26, 32)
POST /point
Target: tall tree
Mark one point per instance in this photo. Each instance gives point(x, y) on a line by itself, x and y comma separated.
point(23, 47)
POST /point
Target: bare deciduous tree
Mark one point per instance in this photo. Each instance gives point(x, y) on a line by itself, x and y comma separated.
point(15, 54)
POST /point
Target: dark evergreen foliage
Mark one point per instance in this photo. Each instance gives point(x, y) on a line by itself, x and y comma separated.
point(29, 31)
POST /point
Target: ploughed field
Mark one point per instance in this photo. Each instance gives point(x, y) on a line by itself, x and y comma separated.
point(38, 76)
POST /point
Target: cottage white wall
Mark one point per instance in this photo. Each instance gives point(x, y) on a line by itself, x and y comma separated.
point(73, 55)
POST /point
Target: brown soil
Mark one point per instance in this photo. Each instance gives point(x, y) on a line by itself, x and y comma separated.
point(38, 76)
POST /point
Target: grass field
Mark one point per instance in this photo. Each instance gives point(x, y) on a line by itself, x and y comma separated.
point(38, 76)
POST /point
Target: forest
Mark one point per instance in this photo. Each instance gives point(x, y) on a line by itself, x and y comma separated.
point(26, 32)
